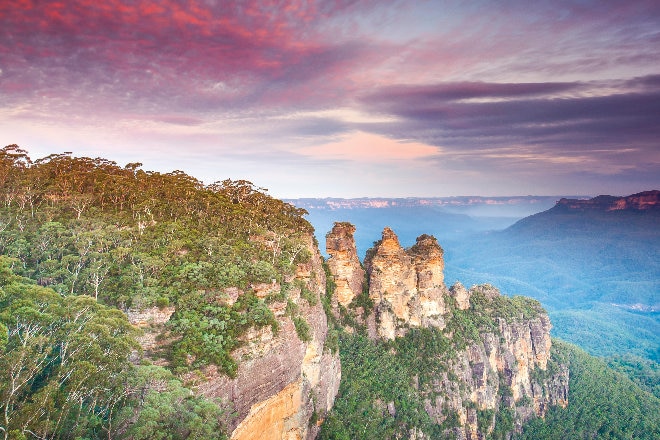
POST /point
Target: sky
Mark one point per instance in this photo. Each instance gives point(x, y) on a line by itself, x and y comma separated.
point(344, 98)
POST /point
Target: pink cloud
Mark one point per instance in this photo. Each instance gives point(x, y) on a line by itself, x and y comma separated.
point(123, 53)
point(367, 147)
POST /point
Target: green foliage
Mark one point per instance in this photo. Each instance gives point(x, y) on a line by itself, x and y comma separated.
point(644, 372)
point(306, 294)
point(95, 233)
point(135, 239)
point(166, 410)
point(424, 351)
point(603, 403)
point(373, 376)
point(210, 329)
point(162, 302)
point(331, 343)
point(504, 424)
point(63, 363)
point(485, 419)
point(303, 330)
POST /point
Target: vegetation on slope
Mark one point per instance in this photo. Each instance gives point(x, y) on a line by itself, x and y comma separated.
point(93, 237)
point(134, 239)
point(603, 404)
point(65, 373)
point(596, 272)
point(384, 383)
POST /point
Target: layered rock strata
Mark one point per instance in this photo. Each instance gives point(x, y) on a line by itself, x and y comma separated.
point(504, 369)
point(406, 286)
point(284, 386)
point(344, 264)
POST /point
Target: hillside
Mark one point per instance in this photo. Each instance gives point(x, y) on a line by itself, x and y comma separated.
point(603, 404)
point(423, 361)
point(595, 264)
point(222, 283)
point(141, 305)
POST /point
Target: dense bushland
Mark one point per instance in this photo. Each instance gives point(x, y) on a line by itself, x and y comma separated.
point(603, 403)
point(85, 237)
point(65, 373)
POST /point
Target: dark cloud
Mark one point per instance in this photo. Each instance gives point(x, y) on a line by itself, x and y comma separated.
point(467, 90)
point(554, 122)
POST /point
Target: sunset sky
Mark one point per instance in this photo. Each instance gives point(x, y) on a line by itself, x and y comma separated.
point(344, 98)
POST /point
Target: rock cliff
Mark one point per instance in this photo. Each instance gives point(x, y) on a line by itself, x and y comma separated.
point(495, 369)
point(406, 286)
point(285, 382)
point(504, 370)
point(344, 263)
point(643, 201)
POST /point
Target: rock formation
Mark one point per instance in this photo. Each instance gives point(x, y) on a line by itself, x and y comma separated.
point(285, 385)
point(644, 201)
point(344, 263)
point(406, 286)
point(505, 369)
point(282, 382)
point(461, 295)
point(501, 367)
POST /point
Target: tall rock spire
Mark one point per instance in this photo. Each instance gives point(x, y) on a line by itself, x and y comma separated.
point(344, 263)
point(406, 286)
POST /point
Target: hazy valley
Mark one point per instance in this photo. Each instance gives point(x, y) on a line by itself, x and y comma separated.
point(594, 265)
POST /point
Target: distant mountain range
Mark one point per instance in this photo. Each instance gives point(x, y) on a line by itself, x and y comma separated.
point(643, 201)
point(594, 263)
point(507, 206)
point(449, 219)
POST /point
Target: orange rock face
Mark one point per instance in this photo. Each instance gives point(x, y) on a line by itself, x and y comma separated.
point(270, 419)
point(407, 286)
point(344, 263)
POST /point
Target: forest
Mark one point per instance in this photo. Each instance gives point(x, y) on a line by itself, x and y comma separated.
point(84, 241)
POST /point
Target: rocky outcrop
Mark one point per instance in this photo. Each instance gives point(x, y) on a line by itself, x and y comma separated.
point(505, 370)
point(644, 201)
point(344, 263)
point(284, 385)
point(406, 286)
point(461, 295)
point(499, 360)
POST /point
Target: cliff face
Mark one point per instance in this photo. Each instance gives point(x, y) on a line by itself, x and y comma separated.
point(406, 286)
point(498, 363)
point(282, 382)
point(344, 263)
point(506, 369)
point(647, 200)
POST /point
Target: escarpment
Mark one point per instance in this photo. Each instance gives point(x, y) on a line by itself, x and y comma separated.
point(286, 380)
point(488, 366)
